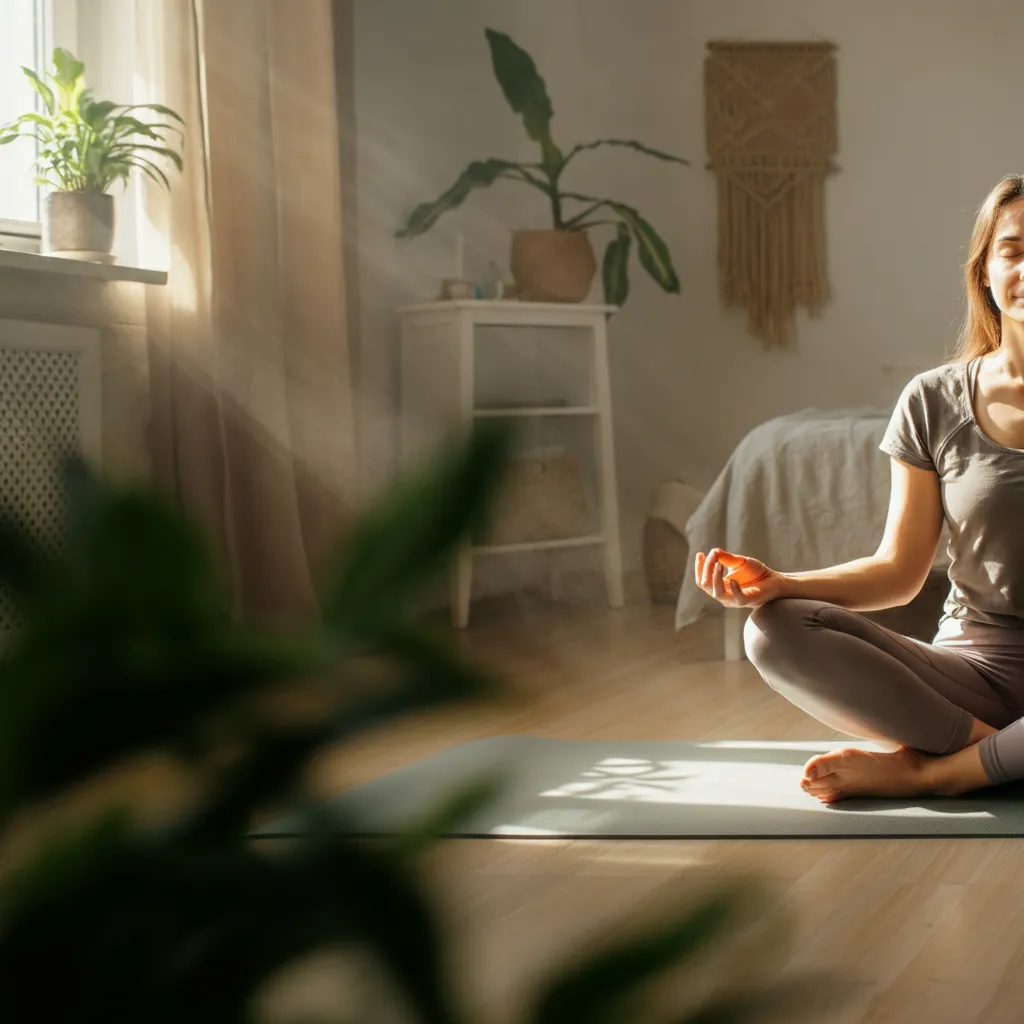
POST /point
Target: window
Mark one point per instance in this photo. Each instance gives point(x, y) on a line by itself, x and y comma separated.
point(30, 30)
point(23, 42)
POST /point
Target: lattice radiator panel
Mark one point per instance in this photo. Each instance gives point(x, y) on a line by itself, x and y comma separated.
point(49, 407)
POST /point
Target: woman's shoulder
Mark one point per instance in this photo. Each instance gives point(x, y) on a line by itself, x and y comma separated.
point(943, 382)
point(938, 396)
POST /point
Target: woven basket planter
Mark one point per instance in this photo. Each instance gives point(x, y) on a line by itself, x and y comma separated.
point(552, 266)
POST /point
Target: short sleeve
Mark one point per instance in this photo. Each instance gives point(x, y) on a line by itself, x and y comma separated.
point(907, 436)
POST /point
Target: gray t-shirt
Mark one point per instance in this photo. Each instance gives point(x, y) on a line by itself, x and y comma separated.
point(933, 427)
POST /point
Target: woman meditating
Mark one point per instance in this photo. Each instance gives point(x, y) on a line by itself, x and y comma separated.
point(952, 710)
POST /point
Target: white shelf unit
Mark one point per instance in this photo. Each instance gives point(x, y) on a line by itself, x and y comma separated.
point(440, 394)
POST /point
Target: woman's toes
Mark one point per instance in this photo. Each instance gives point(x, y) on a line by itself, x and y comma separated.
point(823, 764)
point(826, 792)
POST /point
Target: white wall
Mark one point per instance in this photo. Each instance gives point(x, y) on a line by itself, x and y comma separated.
point(929, 105)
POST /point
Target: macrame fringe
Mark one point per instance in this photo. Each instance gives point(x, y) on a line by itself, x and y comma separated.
point(771, 257)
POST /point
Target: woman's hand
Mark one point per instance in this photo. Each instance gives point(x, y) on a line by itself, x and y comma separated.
point(747, 584)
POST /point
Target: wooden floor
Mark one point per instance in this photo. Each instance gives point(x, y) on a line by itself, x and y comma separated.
point(923, 930)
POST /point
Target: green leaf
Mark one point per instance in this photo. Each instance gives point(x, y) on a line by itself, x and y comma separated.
point(157, 108)
point(615, 269)
point(151, 171)
point(630, 143)
point(42, 88)
point(41, 120)
point(127, 149)
point(479, 174)
point(413, 532)
point(431, 674)
point(123, 125)
point(95, 114)
point(594, 991)
point(654, 255)
point(652, 250)
point(448, 818)
point(69, 70)
point(799, 999)
point(525, 91)
point(23, 569)
point(369, 894)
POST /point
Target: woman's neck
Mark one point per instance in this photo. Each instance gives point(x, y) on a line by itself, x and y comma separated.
point(1011, 349)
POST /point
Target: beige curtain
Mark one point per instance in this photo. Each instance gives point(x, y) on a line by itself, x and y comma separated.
point(252, 407)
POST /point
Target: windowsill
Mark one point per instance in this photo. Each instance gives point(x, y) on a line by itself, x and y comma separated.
point(12, 259)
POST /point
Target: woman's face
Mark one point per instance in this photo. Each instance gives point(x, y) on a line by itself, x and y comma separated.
point(1004, 271)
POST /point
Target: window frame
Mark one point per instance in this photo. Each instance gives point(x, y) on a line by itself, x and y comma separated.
point(59, 28)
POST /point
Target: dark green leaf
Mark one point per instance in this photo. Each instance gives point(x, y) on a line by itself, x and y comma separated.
point(479, 174)
point(615, 269)
point(652, 250)
point(63, 857)
point(428, 676)
point(592, 992)
point(631, 144)
point(525, 92)
point(414, 531)
point(95, 115)
point(157, 108)
point(127, 149)
point(122, 126)
point(150, 169)
point(447, 818)
point(800, 999)
point(23, 567)
point(369, 894)
point(654, 255)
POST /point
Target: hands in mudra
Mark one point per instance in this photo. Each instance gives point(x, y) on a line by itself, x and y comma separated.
point(736, 581)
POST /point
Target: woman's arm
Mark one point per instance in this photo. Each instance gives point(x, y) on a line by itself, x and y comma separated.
point(895, 573)
point(863, 585)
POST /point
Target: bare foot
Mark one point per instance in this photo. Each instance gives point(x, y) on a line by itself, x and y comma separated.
point(849, 771)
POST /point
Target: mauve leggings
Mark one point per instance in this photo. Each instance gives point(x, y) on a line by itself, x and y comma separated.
point(863, 679)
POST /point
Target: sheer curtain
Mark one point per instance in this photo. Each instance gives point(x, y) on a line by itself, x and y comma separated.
point(253, 424)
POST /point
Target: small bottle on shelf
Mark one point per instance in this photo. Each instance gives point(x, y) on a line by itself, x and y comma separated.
point(492, 286)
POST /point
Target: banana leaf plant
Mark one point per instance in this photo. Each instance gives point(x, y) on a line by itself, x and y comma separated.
point(88, 145)
point(527, 95)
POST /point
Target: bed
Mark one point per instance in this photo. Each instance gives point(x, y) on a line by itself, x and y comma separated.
point(800, 491)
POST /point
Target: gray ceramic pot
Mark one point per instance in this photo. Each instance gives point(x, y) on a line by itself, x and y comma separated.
point(79, 225)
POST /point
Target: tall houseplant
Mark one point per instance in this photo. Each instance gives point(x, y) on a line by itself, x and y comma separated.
point(117, 905)
point(556, 264)
point(85, 147)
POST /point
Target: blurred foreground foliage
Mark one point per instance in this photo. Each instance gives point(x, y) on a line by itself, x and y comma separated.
point(127, 667)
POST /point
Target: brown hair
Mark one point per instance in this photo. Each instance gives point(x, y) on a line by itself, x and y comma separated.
point(981, 332)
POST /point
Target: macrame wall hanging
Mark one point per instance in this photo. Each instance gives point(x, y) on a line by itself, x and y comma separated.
point(771, 135)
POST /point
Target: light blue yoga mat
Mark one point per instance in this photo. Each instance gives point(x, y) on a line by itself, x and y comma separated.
point(619, 789)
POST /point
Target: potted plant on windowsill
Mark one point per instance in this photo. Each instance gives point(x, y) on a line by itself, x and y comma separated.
point(556, 264)
point(86, 146)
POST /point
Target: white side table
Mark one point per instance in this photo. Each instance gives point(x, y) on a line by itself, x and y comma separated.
point(438, 385)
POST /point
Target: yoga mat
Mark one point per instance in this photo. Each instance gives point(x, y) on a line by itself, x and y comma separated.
point(624, 789)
